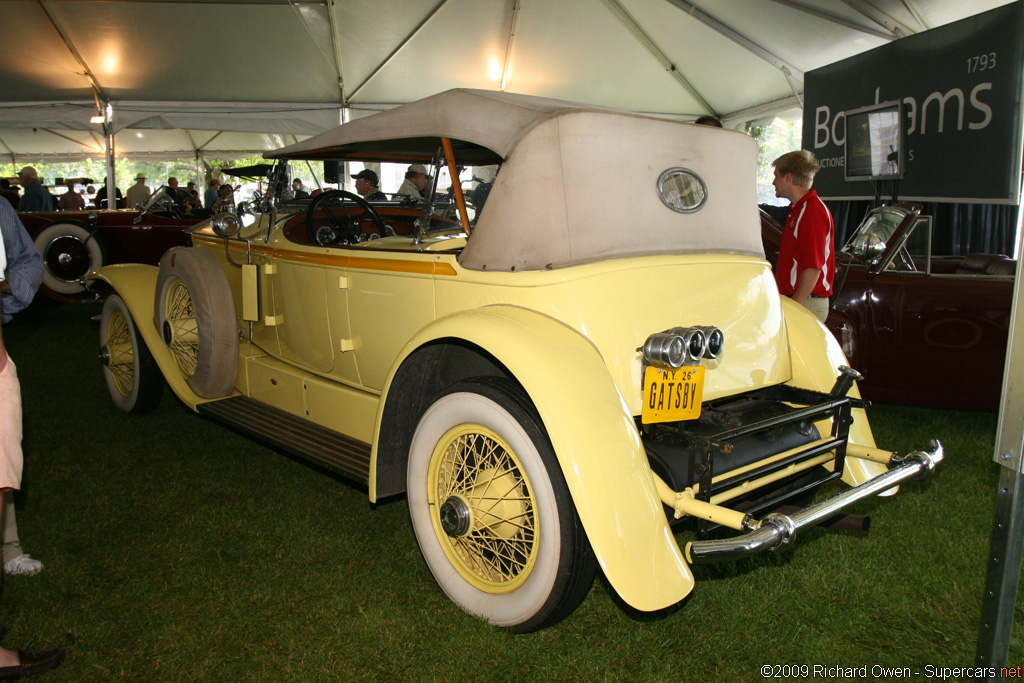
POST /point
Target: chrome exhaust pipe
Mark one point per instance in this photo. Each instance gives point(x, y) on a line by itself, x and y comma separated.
point(778, 530)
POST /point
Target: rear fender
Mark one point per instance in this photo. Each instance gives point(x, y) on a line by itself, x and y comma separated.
point(136, 285)
point(594, 437)
point(816, 356)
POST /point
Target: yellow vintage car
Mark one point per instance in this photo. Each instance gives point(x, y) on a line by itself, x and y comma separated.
point(568, 346)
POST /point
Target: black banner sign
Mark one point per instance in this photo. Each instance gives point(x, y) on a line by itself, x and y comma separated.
point(960, 86)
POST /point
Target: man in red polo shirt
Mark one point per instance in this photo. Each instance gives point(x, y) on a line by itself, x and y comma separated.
point(807, 261)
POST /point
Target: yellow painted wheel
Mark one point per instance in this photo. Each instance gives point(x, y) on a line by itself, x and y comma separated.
point(180, 328)
point(195, 314)
point(121, 353)
point(133, 379)
point(491, 511)
point(482, 508)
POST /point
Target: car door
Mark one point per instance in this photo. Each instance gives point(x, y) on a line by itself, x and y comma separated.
point(391, 297)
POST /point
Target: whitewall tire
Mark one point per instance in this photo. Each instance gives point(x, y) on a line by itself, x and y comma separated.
point(491, 511)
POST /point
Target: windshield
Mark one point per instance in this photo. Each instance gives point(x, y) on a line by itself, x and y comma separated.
point(874, 233)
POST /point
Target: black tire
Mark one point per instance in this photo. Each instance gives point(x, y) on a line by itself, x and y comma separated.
point(195, 314)
point(491, 510)
point(132, 376)
point(70, 252)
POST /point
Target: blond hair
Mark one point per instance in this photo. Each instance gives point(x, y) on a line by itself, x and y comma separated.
point(801, 164)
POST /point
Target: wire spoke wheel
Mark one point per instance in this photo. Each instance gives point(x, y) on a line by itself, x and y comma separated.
point(121, 353)
point(483, 510)
point(133, 379)
point(181, 330)
point(491, 510)
point(195, 313)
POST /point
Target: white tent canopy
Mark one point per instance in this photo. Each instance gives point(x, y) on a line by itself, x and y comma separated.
point(283, 68)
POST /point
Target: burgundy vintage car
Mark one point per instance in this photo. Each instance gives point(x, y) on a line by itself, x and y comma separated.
point(74, 243)
point(922, 329)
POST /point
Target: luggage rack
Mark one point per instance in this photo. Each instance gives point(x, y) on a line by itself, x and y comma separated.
point(823, 407)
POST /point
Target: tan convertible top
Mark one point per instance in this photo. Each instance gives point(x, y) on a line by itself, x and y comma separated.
point(581, 185)
point(577, 184)
point(493, 120)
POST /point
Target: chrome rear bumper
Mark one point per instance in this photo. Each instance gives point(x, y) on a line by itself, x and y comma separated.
point(778, 530)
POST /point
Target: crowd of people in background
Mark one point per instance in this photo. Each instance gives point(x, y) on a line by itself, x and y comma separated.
point(27, 193)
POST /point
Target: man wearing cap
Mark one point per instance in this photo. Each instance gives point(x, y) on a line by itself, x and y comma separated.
point(415, 182)
point(137, 193)
point(367, 185)
point(35, 197)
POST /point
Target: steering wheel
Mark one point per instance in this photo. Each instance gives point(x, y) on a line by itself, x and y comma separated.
point(340, 228)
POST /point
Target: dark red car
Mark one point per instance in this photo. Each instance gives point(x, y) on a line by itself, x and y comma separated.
point(922, 329)
point(74, 243)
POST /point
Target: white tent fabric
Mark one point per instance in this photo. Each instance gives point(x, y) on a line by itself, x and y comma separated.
point(292, 67)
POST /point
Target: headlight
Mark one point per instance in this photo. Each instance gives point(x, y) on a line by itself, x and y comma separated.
point(226, 224)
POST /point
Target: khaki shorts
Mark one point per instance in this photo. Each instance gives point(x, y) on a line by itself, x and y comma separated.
point(10, 427)
point(819, 307)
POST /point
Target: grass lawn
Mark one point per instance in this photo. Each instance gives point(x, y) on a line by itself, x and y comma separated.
point(178, 550)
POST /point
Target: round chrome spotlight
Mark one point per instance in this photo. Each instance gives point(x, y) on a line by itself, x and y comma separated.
point(716, 342)
point(696, 343)
point(665, 349)
point(226, 224)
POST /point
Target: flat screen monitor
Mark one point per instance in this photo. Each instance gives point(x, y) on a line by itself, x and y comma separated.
point(874, 142)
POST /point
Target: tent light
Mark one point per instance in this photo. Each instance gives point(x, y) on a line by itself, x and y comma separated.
point(97, 119)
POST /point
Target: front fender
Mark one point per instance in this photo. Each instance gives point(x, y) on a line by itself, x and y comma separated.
point(816, 356)
point(594, 437)
point(136, 285)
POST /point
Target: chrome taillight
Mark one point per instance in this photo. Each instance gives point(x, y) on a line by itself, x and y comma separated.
point(716, 342)
point(681, 346)
point(665, 350)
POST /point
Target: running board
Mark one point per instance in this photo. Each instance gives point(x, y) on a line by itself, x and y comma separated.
point(296, 435)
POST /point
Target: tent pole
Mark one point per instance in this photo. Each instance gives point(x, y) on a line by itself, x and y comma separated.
point(1007, 544)
point(108, 144)
point(201, 172)
point(616, 8)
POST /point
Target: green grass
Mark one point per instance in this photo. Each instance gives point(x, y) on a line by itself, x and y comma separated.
point(178, 550)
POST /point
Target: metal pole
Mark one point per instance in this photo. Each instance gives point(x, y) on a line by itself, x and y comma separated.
point(108, 133)
point(1004, 561)
point(1004, 564)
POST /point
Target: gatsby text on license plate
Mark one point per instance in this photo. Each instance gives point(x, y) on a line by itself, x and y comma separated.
point(672, 395)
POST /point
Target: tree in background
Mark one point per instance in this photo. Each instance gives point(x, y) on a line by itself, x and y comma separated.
point(773, 140)
point(94, 169)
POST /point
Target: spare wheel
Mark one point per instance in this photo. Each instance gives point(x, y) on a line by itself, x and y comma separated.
point(70, 252)
point(195, 314)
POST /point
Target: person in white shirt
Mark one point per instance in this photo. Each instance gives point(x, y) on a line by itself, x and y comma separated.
point(137, 193)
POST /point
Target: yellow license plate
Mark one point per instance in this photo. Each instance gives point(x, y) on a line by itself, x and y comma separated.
point(672, 395)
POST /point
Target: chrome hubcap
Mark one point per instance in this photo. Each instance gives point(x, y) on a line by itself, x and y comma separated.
point(455, 516)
